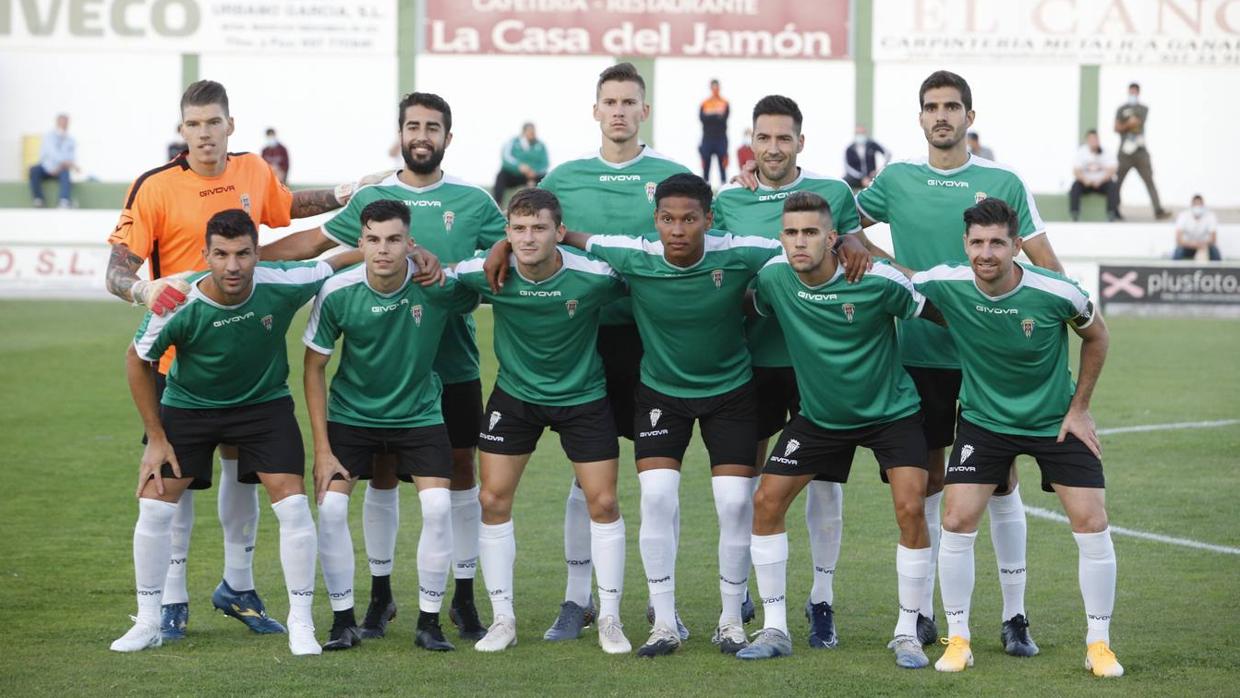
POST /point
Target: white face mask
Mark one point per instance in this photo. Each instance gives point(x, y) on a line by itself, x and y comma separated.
point(272, 142)
point(1198, 211)
point(1132, 99)
point(860, 139)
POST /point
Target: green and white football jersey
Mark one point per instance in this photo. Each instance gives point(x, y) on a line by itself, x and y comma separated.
point(607, 198)
point(925, 208)
point(231, 355)
point(760, 212)
point(1013, 348)
point(385, 378)
point(453, 219)
point(842, 339)
point(690, 318)
point(546, 331)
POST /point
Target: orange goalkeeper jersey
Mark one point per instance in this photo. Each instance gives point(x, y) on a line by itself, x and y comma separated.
point(166, 211)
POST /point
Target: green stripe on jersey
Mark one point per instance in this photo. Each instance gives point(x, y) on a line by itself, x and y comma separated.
point(744, 212)
point(385, 378)
point(925, 208)
point(546, 332)
point(605, 198)
point(842, 339)
point(229, 356)
point(690, 318)
point(452, 218)
point(1013, 348)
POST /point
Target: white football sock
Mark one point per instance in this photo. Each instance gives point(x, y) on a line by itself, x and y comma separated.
point(237, 505)
point(497, 551)
point(770, 563)
point(912, 566)
point(380, 520)
point(824, 519)
point(151, 541)
point(1007, 533)
point(298, 550)
point(956, 583)
point(435, 546)
point(934, 525)
point(466, 518)
point(1096, 570)
point(734, 508)
point(182, 527)
point(577, 548)
point(336, 550)
point(660, 505)
point(607, 548)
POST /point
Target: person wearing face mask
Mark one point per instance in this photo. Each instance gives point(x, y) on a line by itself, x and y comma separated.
point(56, 160)
point(276, 155)
point(1195, 229)
point(861, 159)
point(1094, 171)
point(1130, 125)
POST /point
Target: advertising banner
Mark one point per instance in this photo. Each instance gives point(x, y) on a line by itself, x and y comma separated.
point(1169, 284)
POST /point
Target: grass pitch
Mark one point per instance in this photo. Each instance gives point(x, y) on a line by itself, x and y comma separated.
point(69, 437)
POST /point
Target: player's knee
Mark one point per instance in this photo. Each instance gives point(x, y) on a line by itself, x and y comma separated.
point(334, 511)
point(657, 501)
point(604, 507)
point(495, 503)
point(956, 521)
point(910, 513)
point(435, 506)
point(1090, 522)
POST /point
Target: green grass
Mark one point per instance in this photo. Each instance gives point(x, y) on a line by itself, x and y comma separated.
point(69, 446)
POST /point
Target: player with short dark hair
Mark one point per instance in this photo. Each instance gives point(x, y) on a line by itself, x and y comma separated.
point(550, 375)
point(161, 226)
point(1010, 323)
point(384, 401)
point(452, 219)
point(777, 144)
point(687, 286)
point(228, 384)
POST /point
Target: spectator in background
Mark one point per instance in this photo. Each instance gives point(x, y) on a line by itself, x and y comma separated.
point(744, 154)
point(177, 146)
point(276, 155)
point(524, 162)
point(57, 156)
point(1095, 174)
point(1195, 229)
point(1130, 125)
point(861, 159)
point(714, 117)
point(976, 147)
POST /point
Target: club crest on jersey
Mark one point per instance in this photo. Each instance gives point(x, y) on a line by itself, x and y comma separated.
point(717, 277)
point(495, 417)
point(979, 197)
point(1027, 326)
point(965, 451)
point(650, 186)
point(245, 202)
point(654, 417)
point(416, 312)
point(793, 445)
point(849, 310)
point(267, 320)
point(448, 219)
point(571, 306)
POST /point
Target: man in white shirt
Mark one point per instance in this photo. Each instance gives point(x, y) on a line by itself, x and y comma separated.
point(1195, 229)
point(1095, 174)
point(57, 155)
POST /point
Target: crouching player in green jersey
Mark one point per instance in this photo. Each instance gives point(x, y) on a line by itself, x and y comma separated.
point(842, 341)
point(550, 375)
point(384, 401)
point(228, 385)
point(1010, 323)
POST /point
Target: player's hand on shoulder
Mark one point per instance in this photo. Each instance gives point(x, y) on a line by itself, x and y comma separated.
point(326, 467)
point(163, 295)
point(496, 265)
point(430, 271)
point(1080, 423)
point(748, 176)
point(855, 257)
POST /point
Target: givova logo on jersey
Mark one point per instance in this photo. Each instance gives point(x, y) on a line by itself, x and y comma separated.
point(655, 414)
point(789, 449)
point(492, 420)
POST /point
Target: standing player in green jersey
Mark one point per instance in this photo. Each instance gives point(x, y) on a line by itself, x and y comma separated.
point(228, 384)
point(922, 200)
point(777, 141)
point(451, 218)
point(384, 402)
point(609, 190)
point(546, 328)
point(687, 286)
point(1010, 323)
point(842, 340)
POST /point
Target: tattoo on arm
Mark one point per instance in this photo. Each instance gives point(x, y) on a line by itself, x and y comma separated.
point(312, 202)
point(122, 271)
